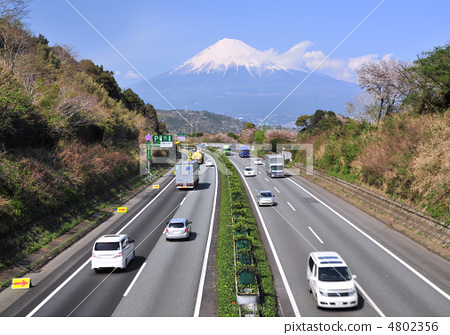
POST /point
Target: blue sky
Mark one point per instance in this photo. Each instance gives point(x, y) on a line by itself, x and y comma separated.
point(157, 36)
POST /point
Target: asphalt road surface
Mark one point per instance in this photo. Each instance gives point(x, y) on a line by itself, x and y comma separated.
point(395, 276)
point(165, 278)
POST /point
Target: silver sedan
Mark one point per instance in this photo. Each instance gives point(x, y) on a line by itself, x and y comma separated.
point(178, 229)
point(266, 198)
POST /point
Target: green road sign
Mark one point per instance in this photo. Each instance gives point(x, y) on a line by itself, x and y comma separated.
point(162, 141)
point(149, 150)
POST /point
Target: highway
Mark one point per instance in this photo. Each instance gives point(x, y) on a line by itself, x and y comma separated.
point(395, 276)
point(165, 278)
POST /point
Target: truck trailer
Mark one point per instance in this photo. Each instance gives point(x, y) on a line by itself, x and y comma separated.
point(274, 165)
point(187, 174)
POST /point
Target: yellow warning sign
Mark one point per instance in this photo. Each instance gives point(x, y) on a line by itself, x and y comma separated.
point(155, 186)
point(21, 283)
point(121, 209)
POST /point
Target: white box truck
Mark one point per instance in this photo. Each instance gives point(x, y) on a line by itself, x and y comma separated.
point(274, 165)
point(187, 174)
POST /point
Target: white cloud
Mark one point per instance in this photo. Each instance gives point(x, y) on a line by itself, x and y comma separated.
point(300, 58)
point(131, 75)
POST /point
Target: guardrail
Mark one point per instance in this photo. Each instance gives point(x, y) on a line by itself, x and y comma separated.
point(408, 216)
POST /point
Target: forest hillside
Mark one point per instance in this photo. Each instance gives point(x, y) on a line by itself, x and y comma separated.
point(67, 132)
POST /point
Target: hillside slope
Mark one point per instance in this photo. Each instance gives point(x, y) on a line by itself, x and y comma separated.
point(201, 121)
point(67, 133)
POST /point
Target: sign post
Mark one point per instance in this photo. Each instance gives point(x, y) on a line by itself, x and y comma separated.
point(148, 138)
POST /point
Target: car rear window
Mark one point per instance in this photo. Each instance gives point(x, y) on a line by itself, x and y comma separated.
point(176, 225)
point(105, 246)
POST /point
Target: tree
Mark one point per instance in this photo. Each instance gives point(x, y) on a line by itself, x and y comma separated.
point(430, 75)
point(249, 125)
point(363, 108)
point(232, 135)
point(301, 120)
point(247, 135)
point(14, 9)
point(259, 136)
point(387, 83)
point(102, 77)
point(132, 101)
point(14, 40)
point(152, 118)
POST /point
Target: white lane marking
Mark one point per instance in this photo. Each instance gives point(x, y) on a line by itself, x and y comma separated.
point(367, 298)
point(314, 233)
point(143, 209)
point(259, 172)
point(447, 296)
point(134, 280)
point(291, 206)
point(266, 179)
point(275, 254)
point(38, 307)
point(276, 189)
point(51, 295)
point(205, 259)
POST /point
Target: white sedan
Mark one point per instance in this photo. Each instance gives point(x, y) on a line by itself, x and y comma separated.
point(209, 162)
point(258, 161)
point(249, 171)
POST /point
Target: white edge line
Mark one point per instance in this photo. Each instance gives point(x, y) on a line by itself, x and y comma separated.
point(367, 298)
point(134, 280)
point(317, 236)
point(38, 307)
point(378, 244)
point(205, 259)
point(275, 255)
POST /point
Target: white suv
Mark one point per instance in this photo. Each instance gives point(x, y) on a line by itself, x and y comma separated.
point(331, 281)
point(112, 251)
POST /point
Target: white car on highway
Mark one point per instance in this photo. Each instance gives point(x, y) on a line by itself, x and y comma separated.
point(249, 171)
point(330, 280)
point(112, 251)
point(209, 162)
point(258, 161)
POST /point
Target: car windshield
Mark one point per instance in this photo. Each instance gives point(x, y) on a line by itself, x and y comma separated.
point(176, 225)
point(340, 273)
point(107, 246)
point(266, 194)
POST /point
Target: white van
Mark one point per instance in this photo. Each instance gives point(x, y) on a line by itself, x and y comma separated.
point(331, 281)
point(112, 251)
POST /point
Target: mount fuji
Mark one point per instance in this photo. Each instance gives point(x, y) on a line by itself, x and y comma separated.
point(232, 78)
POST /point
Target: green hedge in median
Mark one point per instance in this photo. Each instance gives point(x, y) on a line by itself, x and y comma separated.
point(237, 216)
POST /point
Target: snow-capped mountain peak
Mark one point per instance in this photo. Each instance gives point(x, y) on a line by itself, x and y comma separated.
point(229, 54)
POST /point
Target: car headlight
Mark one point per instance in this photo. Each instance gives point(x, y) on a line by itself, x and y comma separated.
point(352, 293)
point(323, 293)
